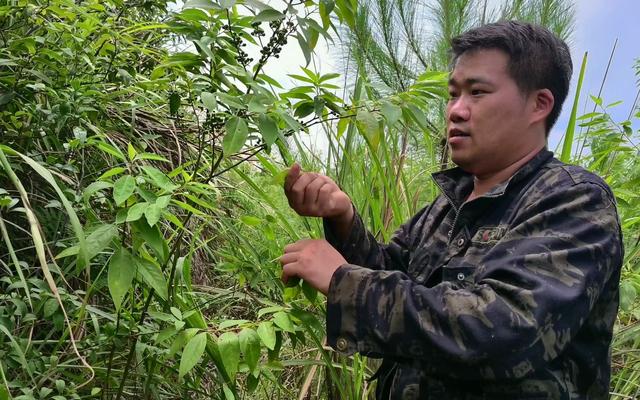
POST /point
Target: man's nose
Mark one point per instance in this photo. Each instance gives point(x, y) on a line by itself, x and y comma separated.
point(458, 110)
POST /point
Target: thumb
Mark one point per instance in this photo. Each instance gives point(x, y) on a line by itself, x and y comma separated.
point(292, 176)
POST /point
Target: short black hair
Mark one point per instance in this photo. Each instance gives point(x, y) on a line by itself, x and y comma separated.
point(538, 59)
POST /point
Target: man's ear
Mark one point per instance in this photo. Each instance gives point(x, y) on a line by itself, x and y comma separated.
point(543, 102)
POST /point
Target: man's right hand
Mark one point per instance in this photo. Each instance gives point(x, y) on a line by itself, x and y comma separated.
point(315, 195)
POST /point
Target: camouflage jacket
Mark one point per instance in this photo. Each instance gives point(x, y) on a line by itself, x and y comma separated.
point(510, 296)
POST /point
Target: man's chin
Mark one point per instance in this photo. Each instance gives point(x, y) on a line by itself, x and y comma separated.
point(465, 163)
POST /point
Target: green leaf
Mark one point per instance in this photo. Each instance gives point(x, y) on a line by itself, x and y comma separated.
point(153, 214)
point(304, 108)
point(391, 112)
point(229, 348)
point(121, 272)
point(309, 292)
point(342, 126)
point(159, 179)
point(153, 238)
point(250, 347)
point(304, 46)
point(136, 211)
point(192, 353)
point(163, 201)
point(113, 171)
point(268, 128)
point(235, 136)
point(94, 188)
point(628, 295)
point(250, 220)
point(209, 101)
point(369, 127)
point(123, 188)
point(131, 152)
point(268, 15)
point(228, 393)
point(50, 307)
point(100, 239)
point(152, 276)
point(282, 321)
point(267, 334)
point(150, 156)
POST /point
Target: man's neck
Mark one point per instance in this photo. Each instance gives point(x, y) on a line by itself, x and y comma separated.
point(483, 183)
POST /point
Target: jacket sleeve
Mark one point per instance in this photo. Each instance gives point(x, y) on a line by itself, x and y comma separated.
point(530, 295)
point(361, 248)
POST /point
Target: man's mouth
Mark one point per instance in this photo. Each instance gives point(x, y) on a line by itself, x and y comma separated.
point(457, 133)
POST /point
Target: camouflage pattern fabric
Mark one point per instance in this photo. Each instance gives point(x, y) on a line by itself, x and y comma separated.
point(510, 296)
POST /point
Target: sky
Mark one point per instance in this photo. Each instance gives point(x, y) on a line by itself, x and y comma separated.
point(598, 24)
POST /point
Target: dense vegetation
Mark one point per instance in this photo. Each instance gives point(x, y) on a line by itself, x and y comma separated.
point(142, 153)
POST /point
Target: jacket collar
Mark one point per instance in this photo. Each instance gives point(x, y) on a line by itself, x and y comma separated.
point(456, 184)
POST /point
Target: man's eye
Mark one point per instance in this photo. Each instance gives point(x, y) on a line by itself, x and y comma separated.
point(476, 92)
point(452, 95)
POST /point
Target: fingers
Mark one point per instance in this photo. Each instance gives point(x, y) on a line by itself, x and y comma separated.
point(292, 176)
point(297, 246)
point(312, 192)
point(289, 271)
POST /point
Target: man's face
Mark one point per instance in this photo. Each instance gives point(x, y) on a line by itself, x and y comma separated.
point(487, 115)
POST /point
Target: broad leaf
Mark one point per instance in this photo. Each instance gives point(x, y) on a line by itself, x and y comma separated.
point(152, 276)
point(209, 101)
point(122, 269)
point(235, 136)
point(267, 334)
point(123, 188)
point(268, 15)
point(136, 211)
point(282, 320)
point(100, 239)
point(153, 213)
point(192, 353)
point(268, 128)
point(159, 179)
point(250, 347)
point(229, 348)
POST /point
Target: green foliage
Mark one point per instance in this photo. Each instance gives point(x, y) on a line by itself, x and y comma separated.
point(141, 206)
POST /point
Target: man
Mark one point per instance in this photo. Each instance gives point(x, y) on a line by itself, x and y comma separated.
point(506, 286)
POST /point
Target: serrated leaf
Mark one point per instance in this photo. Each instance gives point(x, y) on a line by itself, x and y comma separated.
point(122, 269)
point(152, 276)
point(192, 353)
point(267, 334)
point(229, 348)
point(235, 136)
point(282, 321)
point(250, 347)
point(123, 188)
point(209, 101)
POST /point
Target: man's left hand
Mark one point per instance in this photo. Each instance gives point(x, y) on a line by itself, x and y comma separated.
point(313, 260)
